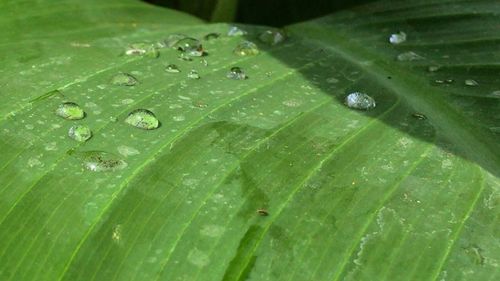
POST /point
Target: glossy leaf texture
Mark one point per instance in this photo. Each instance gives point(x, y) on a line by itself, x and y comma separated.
point(271, 177)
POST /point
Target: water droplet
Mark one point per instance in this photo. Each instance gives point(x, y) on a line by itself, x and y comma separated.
point(397, 38)
point(236, 31)
point(190, 46)
point(142, 119)
point(419, 116)
point(246, 48)
point(193, 74)
point(471, 82)
point(332, 80)
point(236, 73)
point(124, 79)
point(204, 62)
point(172, 39)
point(127, 150)
point(359, 100)
point(185, 57)
point(142, 49)
point(70, 111)
point(495, 93)
point(445, 81)
point(211, 36)
point(172, 68)
point(99, 161)
point(272, 37)
point(433, 68)
point(409, 56)
point(80, 133)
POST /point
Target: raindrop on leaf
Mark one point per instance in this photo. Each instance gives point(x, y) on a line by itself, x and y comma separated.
point(70, 111)
point(409, 56)
point(142, 119)
point(193, 74)
point(236, 73)
point(246, 48)
point(397, 38)
point(172, 68)
point(236, 31)
point(471, 82)
point(359, 100)
point(124, 79)
point(80, 133)
point(99, 161)
point(272, 37)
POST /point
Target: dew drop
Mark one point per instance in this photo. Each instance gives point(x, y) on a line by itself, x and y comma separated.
point(172, 68)
point(359, 100)
point(471, 82)
point(185, 57)
point(172, 39)
point(70, 111)
point(433, 68)
point(80, 133)
point(142, 49)
point(236, 31)
point(124, 79)
point(99, 161)
point(236, 73)
point(246, 48)
point(443, 81)
point(409, 56)
point(193, 74)
point(211, 36)
point(142, 119)
point(419, 116)
point(190, 46)
point(397, 38)
point(272, 36)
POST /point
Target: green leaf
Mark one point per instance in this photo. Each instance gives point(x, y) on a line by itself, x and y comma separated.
point(268, 178)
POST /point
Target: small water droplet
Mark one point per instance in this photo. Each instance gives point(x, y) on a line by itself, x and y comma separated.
point(433, 68)
point(142, 119)
point(397, 38)
point(409, 56)
point(193, 74)
point(99, 161)
point(185, 57)
point(419, 116)
point(495, 93)
point(332, 80)
point(190, 46)
point(70, 111)
point(211, 36)
point(471, 82)
point(80, 133)
point(246, 48)
point(124, 79)
point(127, 150)
point(204, 62)
point(236, 31)
point(142, 49)
point(172, 68)
point(236, 73)
point(359, 100)
point(443, 81)
point(272, 36)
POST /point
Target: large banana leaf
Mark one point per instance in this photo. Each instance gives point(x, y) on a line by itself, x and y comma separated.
point(268, 178)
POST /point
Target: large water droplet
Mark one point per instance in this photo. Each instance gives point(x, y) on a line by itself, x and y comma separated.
point(272, 36)
point(409, 56)
point(142, 49)
point(246, 48)
point(211, 36)
point(236, 31)
point(359, 100)
point(190, 46)
point(471, 82)
point(124, 79)
point(99, 161)
point(172, 68)
point(236, 73)
point(172, 39)
point(142, 119)
point(70, 111)
point(193, 74)
point(80, 133)
point(397, 38)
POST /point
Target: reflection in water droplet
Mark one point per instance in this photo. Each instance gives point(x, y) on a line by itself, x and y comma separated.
point(193, 74)
point(190, 46)
point(409, 56)
point(211, 36)
point(236, 31)
point(236, 73)
point(142, 119)
point(433, 68)
point(80, 133)
point(172, 68)
point(124, 79)
point(246, 48)
point(359, 100)
point(70, 111)
point(471, 82)
point(140, 49)
point(397, 38)
point(272, 37)
point(99, 161)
